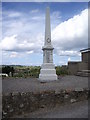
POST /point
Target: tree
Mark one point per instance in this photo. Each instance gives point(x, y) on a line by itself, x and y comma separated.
point(7, 70)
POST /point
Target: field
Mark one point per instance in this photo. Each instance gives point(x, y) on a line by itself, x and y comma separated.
point(30, 71)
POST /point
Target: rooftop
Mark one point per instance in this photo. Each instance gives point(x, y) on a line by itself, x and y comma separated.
point(85, 50)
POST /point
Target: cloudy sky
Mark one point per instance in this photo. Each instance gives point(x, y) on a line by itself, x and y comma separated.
point(23, 31)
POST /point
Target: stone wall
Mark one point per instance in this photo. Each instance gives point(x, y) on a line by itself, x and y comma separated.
point(20, 103)
point(85, 56)
point(73, 68)
point(83, 66)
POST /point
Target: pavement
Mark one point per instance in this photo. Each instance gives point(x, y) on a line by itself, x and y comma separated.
point(75, 110)
point(34, 85)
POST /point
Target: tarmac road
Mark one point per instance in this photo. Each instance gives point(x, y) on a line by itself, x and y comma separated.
point(33, 85)
point(75, 110)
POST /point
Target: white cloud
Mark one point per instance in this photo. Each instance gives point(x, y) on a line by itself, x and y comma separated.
point(12, 43)
point(68, 37)
point(71, 35)
point(56, 14)
point(68, 53)
point(9, 43)
point(11, 14)
point(25, 45)
point(69, 59)
point(38, 18)
point(14, 14)
point(29, 52)
point(34, 11)
point(13, 55)
point(62, 62)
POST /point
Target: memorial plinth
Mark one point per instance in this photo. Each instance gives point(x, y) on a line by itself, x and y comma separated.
point(47, 72)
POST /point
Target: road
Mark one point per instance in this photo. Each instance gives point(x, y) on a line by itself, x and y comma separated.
point(75, 110)
point(33, 85)
point(0, 107)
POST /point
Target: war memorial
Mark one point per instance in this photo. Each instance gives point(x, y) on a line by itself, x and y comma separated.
point(47, 96)
point(48, 72)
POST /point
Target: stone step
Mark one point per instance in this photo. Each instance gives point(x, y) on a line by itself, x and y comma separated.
point(84, 73)
point(48, 77)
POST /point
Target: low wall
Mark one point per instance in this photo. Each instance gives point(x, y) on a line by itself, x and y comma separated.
point(83, 66)
point(73, 67)
point(20, 103)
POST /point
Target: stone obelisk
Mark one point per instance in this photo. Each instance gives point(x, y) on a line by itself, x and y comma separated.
point(47, 72)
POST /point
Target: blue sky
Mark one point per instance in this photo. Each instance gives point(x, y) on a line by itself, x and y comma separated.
point(23, 27)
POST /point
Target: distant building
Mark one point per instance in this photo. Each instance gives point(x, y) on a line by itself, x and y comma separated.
point(86, 57)
point(81, 68)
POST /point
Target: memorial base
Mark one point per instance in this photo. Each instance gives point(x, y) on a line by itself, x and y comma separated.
point(47, 72)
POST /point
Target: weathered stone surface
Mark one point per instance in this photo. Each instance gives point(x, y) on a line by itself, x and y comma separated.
point(66, 96)
point(73, 100)
point(79, 89)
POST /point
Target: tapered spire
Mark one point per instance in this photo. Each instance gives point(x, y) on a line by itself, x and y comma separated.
point(47, 26)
